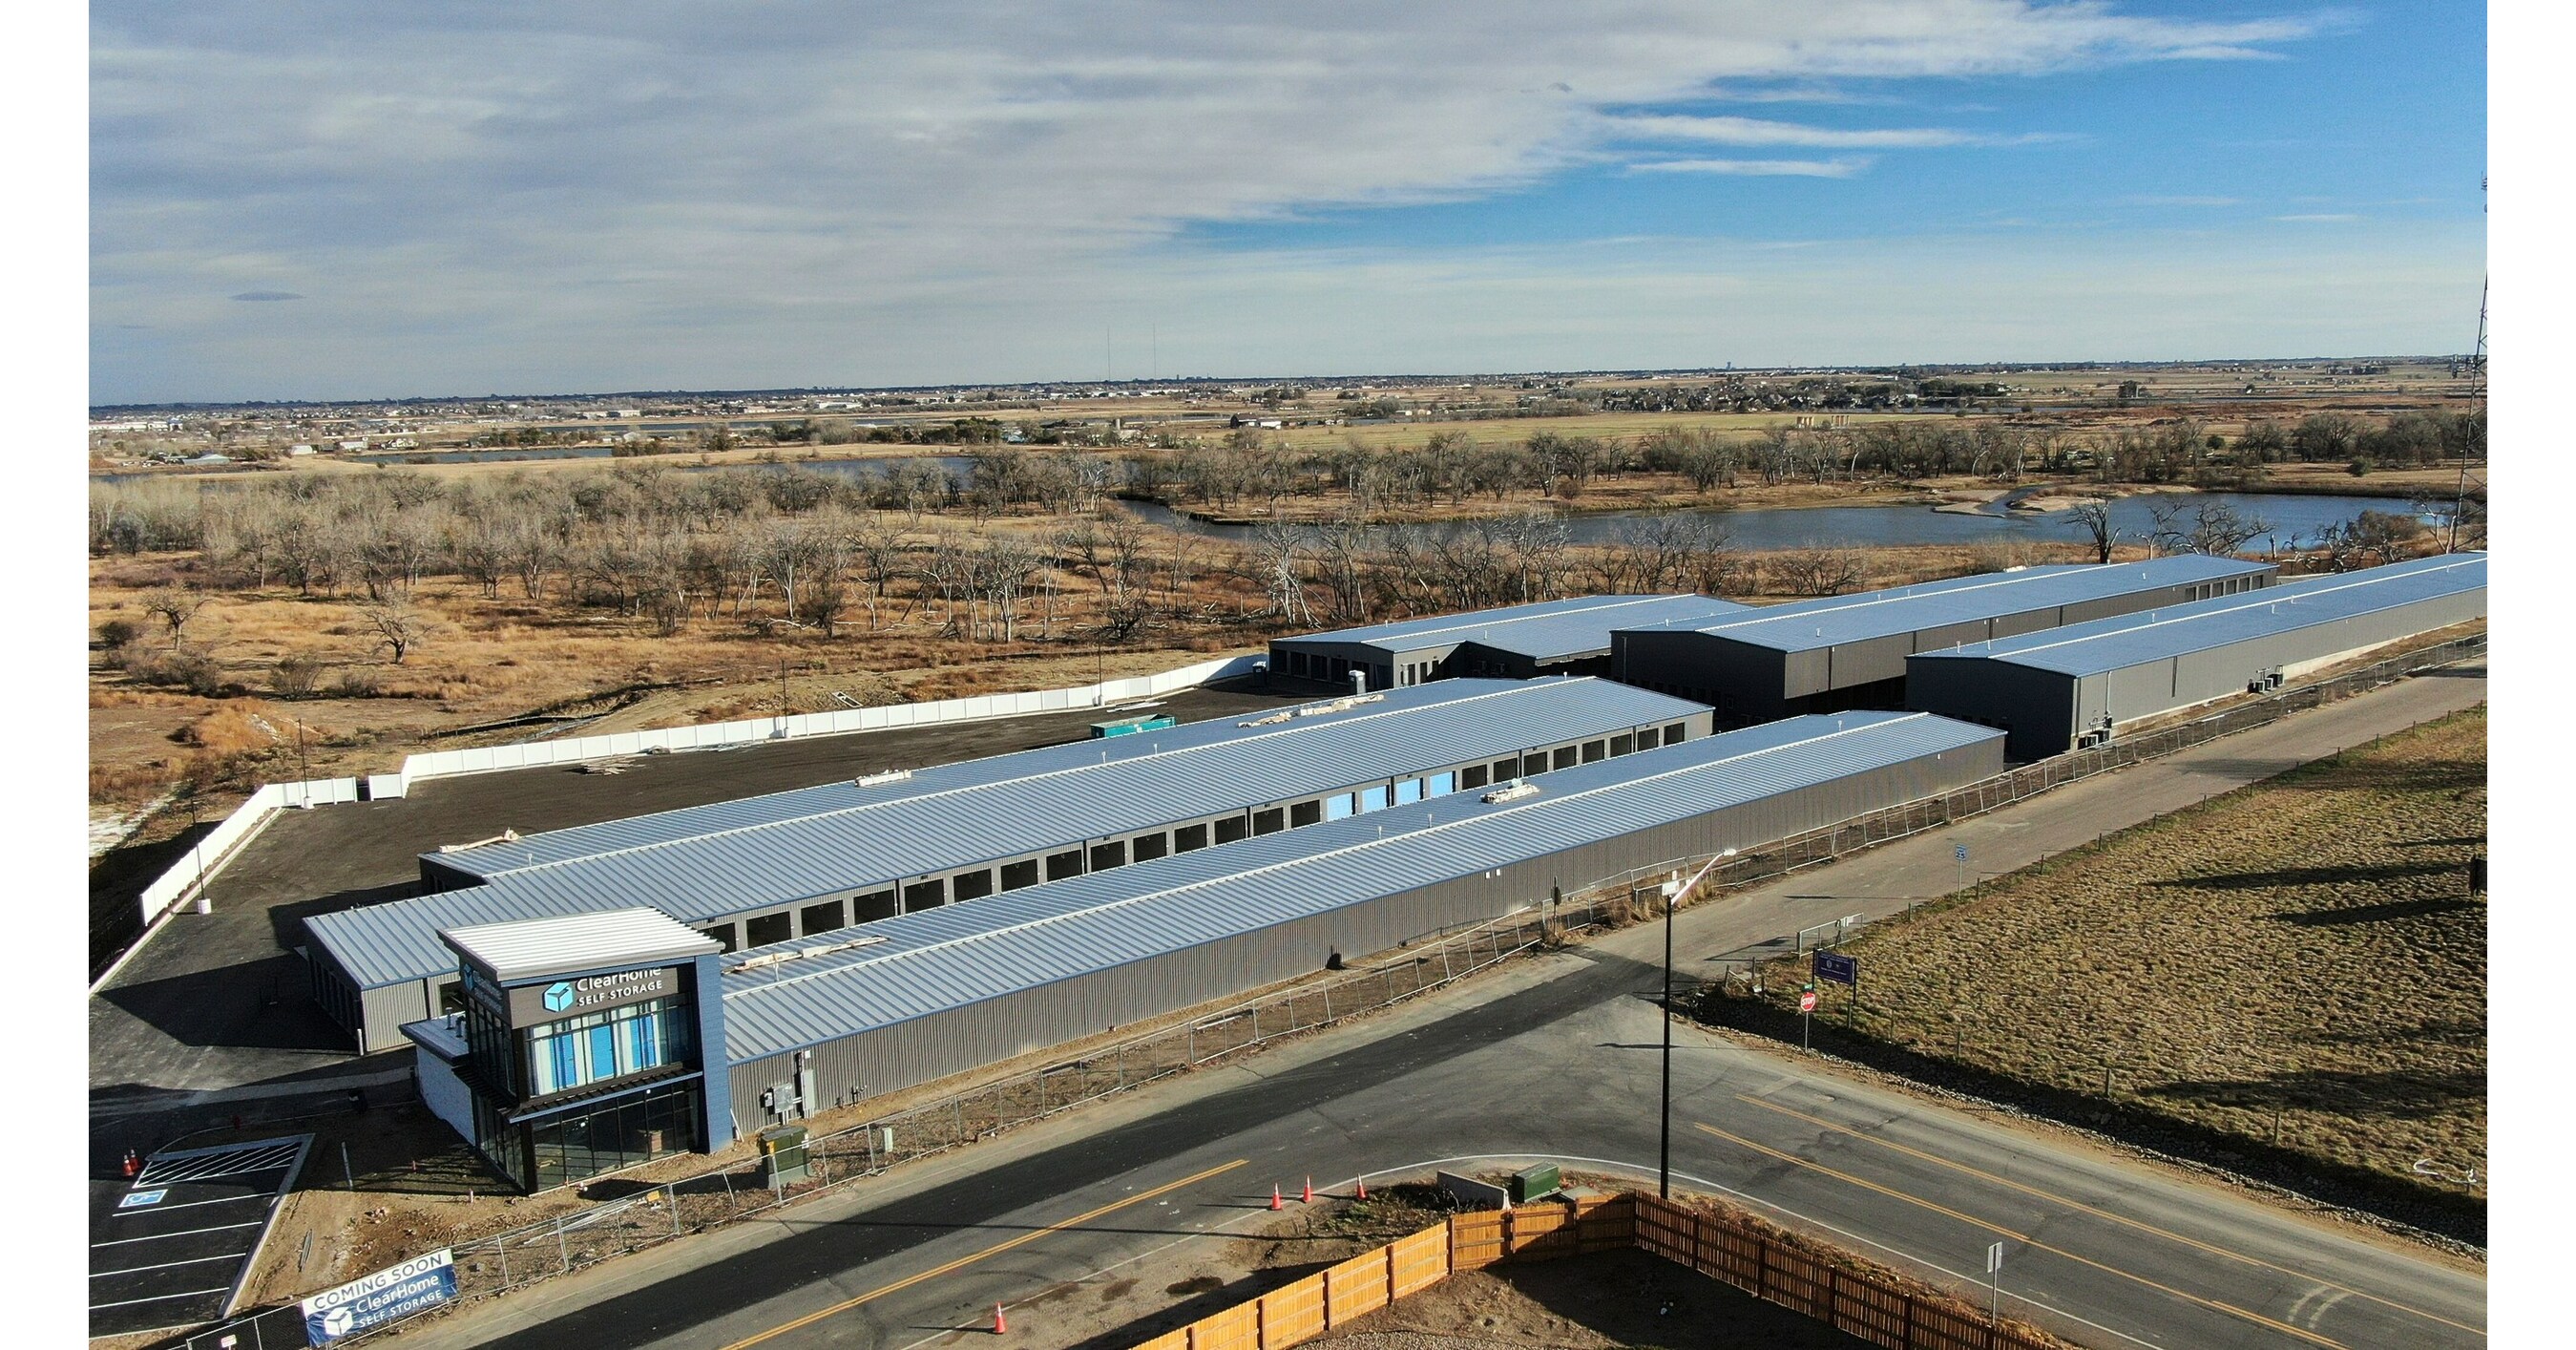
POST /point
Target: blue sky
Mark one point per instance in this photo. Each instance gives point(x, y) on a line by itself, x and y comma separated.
point(332, 200)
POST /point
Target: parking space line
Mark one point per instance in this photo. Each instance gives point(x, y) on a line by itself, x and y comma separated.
point(185, 1232)
point(147, 1211)
point(158, 1298)
point(168, 1265)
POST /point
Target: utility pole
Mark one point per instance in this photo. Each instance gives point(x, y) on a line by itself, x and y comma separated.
point(1673, 894)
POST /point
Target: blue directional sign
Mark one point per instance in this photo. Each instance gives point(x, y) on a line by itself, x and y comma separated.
point(1960, 853)
point(1838, 968)
point(387, 1296)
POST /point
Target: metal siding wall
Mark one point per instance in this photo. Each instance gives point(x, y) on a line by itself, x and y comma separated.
point(1868, 662)
point(890, 1059)
point(387, 1008)
point(1957, 634)
point(2027, 621)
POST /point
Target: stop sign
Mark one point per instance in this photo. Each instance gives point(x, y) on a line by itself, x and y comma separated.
point(1807, 1001)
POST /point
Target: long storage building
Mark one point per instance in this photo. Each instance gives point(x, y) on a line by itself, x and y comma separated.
point(545, 1040)
point(766, 869)
point(1552, 637)
point(2061, 689)
point(1850, 651)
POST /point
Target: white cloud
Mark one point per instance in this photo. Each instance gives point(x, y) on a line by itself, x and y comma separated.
point(2150, 200)
point(1801, 168)
point(480, 195)
point(1755, 131)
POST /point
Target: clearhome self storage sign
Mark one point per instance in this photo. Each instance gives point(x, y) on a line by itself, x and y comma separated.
point(387, 1296)
point(531, 1004)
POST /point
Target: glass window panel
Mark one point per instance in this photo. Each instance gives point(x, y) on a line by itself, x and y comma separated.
point(1338, 808)
point(1439, 785)
point(1410, 790)
point(1373, 799)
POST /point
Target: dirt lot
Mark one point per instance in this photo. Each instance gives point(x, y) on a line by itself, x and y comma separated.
point(2297, 965)
point(1626, 1298)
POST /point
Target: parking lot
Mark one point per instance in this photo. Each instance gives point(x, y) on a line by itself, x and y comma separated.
point(168, 1247)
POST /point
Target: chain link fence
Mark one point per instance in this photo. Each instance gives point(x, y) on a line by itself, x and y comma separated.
point(650, 1213)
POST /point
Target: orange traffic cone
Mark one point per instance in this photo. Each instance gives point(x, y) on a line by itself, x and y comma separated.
point(1001, 1324)
point(1363, 1191)
point(1275, 1201)
point(1309, 1197)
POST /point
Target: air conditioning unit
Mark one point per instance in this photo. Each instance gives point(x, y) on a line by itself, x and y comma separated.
point(1513, 791)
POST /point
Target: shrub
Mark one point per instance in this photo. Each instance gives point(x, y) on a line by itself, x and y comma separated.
point(116, 633)
point(2359, 468)
point(356, 684)
point(295, 675)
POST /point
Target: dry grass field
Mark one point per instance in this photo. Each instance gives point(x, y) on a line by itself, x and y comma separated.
point(2296, 962)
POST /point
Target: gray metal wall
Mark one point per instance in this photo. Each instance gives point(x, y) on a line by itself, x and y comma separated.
point(2045, 710)
point(892, 1058)
point(2037, 707)
point(1749, 683)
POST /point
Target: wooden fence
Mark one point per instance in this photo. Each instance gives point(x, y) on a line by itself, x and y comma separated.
point(1859, 1304)
point(1863, 1306)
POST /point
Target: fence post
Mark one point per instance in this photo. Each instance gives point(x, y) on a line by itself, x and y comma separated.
point(501, 1245)
point(1908, 1341)
point(562, 1248)
point(1833, 1300)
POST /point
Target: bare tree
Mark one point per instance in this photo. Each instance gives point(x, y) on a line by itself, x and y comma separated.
point(1277, 545)
point(2094, 518)
point(399, 627)
point(174, 606)
point(1822, 571)
point(2211, 527)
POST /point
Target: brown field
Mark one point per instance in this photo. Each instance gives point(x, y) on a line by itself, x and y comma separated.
point(2297, 964)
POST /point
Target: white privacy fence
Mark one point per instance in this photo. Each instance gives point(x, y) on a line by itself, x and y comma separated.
point(182, 882)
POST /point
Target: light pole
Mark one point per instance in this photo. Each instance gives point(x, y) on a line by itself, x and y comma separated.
point(1673, 901)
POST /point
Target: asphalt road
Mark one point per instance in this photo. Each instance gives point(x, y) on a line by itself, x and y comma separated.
point(1556, 1058)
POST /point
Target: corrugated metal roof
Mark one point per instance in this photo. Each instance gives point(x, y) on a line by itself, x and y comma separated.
point(946, 958)
point(2104, 645)
point(1004, 807)
point(1805, 625)
point(531, 949)
point(1551, 630)
point(1215, 737)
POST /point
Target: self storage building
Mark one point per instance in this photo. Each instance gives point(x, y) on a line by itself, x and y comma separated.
point(767, 869)
point(2058, 690)
point(1552, 637)
point(949, 990)
point(809, 1024)
point(1850, 651)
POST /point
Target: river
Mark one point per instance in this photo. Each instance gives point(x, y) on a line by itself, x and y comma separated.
point(2291, 521)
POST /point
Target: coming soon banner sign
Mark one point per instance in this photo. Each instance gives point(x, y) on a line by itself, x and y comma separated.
point(387, 1296)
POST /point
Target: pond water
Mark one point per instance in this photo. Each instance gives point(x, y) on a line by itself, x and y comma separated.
point(2291, 520)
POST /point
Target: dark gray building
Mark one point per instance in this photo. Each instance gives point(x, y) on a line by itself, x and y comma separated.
point(765, 869)
point(1850, 651)
point(1553, 637)
point(2083, 683)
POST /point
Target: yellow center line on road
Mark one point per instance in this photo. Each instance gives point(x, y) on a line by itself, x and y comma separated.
point(2027, 1240)
point(2079, 1205)
point(996, 1249)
